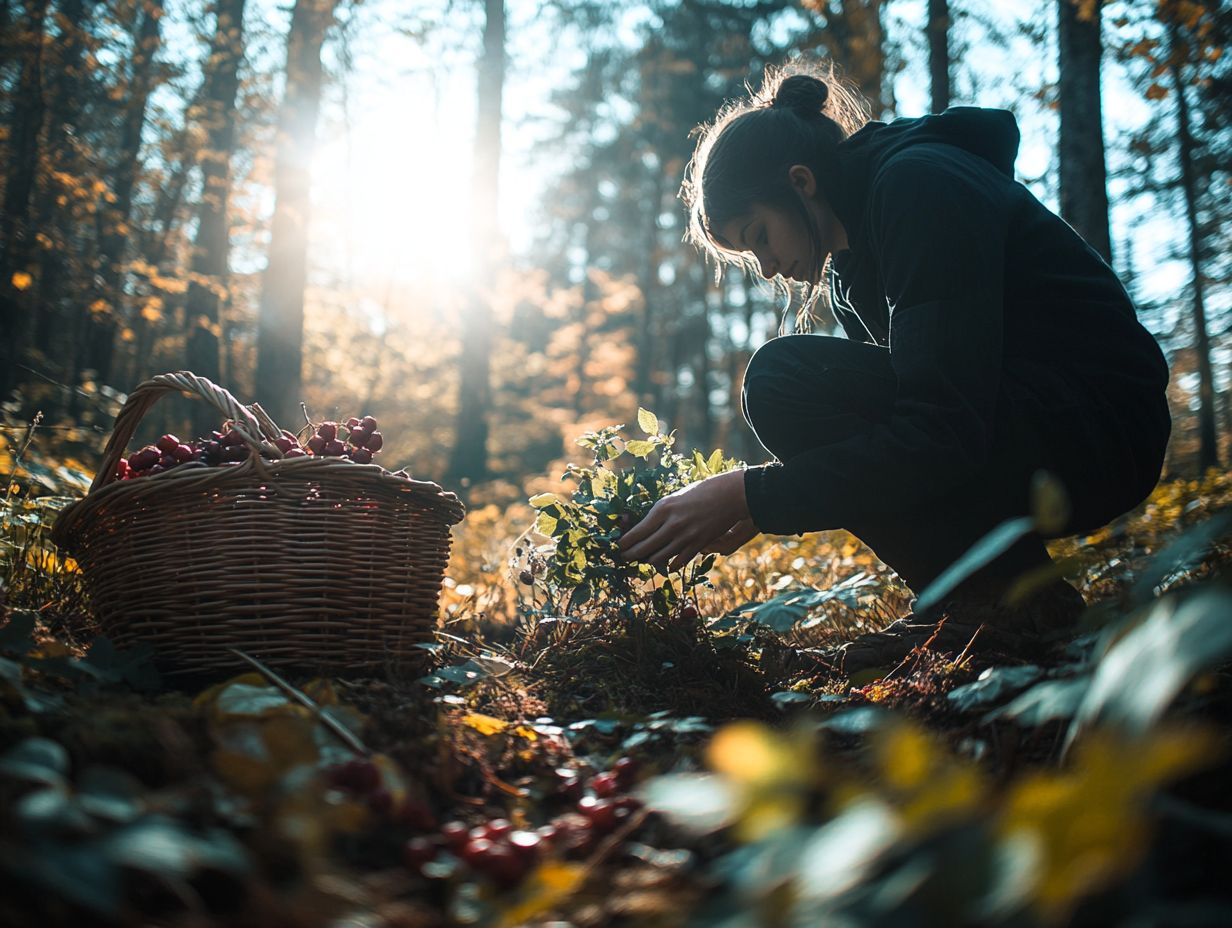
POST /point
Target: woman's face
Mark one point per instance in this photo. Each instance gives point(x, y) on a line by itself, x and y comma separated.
point(778, 238)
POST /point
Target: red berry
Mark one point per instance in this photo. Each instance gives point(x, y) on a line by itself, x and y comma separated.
point(368, 424)
point(374, 442)
point(167, 443)
point(600, 812)
point(626, 771)
point(235, 453)
point(505, 866)
point(361, 456)
point(145, 458)
point(167, 460)
point(156, 469)
point(316, 444)
point(497, 829)
point(297, 453)
point(604, 784)
point(328, 430)
point(547, 834)
point(352, 422)
point(456, 834)
point(183, 453)
point(475, 850)
point(358, 438)
point(213, 450)
point(121, 470)
point(285, 444)
point(416, 852)
point(571, 789)
point(525, 843)
point(232, 437)
point(688, 611)
point(334, 448)
point(574, 832)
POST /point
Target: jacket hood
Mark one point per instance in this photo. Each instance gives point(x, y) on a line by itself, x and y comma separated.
point(990, 133)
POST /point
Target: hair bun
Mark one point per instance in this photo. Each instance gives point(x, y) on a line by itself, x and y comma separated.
point(803, 93)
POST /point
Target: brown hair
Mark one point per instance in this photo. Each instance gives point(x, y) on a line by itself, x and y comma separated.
point(800, 114)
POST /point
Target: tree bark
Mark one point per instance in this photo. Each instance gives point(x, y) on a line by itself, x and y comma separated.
point(211, 247)
point(1083, 174)
point(468, 461)
point(1208, 447)
point(109, 287)
point(280, 319)
point(15, 233)
point(938, 30)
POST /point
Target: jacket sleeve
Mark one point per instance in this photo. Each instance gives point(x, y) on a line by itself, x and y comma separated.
point(939, 225)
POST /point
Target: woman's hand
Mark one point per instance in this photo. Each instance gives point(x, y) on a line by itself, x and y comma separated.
point(709, 515)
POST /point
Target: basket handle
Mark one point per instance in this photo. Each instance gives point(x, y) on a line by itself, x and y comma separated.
point(251, 422)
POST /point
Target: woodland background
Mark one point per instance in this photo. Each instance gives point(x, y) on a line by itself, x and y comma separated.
point(165, 186)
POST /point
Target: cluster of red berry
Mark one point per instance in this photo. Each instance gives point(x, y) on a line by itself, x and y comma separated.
point(228, 447)
point(496, 849)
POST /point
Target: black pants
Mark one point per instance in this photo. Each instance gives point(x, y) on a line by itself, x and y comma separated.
point(807, 391)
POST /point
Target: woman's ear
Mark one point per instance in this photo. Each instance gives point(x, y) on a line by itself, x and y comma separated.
point(802, 179)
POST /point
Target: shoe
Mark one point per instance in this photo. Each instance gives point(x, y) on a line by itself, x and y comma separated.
point(974, 620)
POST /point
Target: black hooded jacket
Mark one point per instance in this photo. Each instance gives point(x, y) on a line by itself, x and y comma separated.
point(977, 289)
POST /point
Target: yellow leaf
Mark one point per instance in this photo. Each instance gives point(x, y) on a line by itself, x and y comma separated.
point(21, 280)
point(543, 499)
point(545, 524)
point(484, 724)
point(647, 421)
point(546, 887)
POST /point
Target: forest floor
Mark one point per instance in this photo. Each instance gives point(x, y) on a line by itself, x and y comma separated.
point(641, 771)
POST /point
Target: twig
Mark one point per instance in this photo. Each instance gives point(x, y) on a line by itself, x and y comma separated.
point(344, 734)
point(34, 423)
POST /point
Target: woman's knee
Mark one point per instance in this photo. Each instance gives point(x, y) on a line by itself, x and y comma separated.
point(799, 373)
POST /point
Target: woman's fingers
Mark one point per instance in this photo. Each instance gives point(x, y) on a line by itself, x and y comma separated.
point(733, 539)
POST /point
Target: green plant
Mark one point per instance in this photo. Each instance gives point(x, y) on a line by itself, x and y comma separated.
point(584, 563)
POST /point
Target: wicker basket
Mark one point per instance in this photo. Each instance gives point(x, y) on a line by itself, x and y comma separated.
point(313, 564)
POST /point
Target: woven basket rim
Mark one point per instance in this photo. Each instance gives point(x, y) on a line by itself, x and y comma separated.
point(257, 430)
point(247, 475)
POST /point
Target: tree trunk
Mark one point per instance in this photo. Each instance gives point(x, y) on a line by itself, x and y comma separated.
point(468, 462)
point(280, 319)
point(1208, 449)
point(15, 233)
point(938, 30)
point(1083, 175)
point(109, 287)
point(211, 247)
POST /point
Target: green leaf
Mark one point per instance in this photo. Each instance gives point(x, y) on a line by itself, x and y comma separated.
point(992, 686)
point(647, 421)
point(1143, 672)
point(1179, 554)
point(543, 499)
point(991, 546)
point(1052, 699)
point(699, 802)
